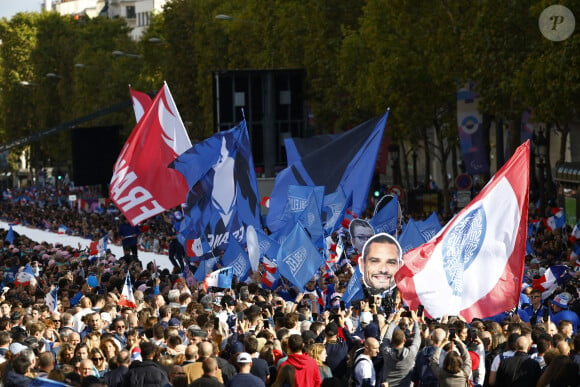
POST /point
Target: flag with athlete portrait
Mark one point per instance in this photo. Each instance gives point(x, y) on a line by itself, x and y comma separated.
point(474, 266)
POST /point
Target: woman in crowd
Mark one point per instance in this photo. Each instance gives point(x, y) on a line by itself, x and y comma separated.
point(456, 366)
point(318, 352)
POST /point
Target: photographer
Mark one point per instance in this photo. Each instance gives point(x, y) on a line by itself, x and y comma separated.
point(398, 358)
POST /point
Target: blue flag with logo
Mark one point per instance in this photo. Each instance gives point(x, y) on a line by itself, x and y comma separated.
point(268, 246)
point(354, 289)
point(334, 206)
point(223, 197)
point(310, 219)
point(430, 226)
point(298, 260)
point(348, 161)
point(411, 237)
point(386, 220)
point(236, 258)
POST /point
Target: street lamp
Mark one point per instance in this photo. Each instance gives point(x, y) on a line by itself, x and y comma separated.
point(128, 55)
point(53, 75)
point(394, 155)
point(224, 17)
point(541, 153)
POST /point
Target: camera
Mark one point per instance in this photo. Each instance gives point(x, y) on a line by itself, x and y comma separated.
point(472, 334)
point(451, 334)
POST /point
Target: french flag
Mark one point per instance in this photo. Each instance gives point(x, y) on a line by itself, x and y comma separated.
point(127, 298)
point(557, 220)
point(474, 266)
point(269, 276)
point(62, 229)
point(221, 278)
point(553, 277)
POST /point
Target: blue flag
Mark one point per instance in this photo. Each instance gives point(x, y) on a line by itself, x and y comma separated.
point(430, 226)
point(411, 237)
point(221, 278)
point(51, 300)
point(348, 161)
point(10, 235)
point(236, 258)
point(296, 148)
point(310, 219)
point(334, 206)
point(268, 246)
point(223, 197)
point(205, 267)
point(76, 299)
point(298, 260)
point(386, 220)
point(354, 289)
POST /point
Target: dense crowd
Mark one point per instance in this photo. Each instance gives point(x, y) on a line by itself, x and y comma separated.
point(180, 334)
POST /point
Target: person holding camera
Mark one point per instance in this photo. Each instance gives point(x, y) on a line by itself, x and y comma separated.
point(456, 366)
point(398, 358)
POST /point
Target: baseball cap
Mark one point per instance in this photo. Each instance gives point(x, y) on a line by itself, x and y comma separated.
point(173, 322)
point(243, 358)
point(562, 300)
point(366, 317)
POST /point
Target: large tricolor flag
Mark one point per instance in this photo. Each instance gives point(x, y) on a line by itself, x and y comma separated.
point(156, 141)
point(127, 298)
point(474, 266)
point(98, 247)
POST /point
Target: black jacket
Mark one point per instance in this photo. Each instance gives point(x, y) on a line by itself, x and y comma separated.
point(116, 377)
point(146, 373)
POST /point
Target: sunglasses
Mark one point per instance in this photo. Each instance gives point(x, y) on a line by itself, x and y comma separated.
point(119, 326)
point(97, 359)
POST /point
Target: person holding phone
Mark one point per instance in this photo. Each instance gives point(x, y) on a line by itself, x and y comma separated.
point(398, 358)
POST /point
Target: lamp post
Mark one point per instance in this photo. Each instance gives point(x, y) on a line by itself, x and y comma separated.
point(394, 155)
point(126, 54)
point(414, 155)
point(541, 153)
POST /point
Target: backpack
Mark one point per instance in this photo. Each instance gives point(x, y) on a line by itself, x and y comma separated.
point(423, 375)
point(351, 382)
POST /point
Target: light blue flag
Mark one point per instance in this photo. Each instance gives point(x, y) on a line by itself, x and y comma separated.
point(268, 246)
point(334, 206)
point(10, 235)
point(354, 289)
point(298, 260)
point(430, 226)
point(43, 382)
point(386, 220)
point(76, 298)
point(310, 219)
point(236, 258)
point(205, 267)
point(411, 237)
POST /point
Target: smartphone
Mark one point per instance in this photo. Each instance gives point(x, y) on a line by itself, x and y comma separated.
point(545, 315)
point(314, 316)
point(342, 306)
point(451, 334)
point(266, 323)
point(216, 323)
point(420, 309)
point(472, 334)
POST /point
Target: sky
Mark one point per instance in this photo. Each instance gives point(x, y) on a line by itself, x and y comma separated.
point(9, 8)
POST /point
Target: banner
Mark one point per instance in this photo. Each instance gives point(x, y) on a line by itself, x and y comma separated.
point(142, 185)
point(471, 137)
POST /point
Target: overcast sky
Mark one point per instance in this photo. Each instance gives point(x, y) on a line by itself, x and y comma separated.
point(10, 7)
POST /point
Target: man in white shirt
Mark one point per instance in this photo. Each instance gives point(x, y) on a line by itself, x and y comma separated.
point(364, 370)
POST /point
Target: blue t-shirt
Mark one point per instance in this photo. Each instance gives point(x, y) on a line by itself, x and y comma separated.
point(245, 380)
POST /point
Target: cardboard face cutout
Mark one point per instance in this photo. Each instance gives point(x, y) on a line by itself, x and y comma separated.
point(360, 231)
point(381, 258)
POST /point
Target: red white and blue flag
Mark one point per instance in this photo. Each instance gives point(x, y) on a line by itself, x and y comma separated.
point(557, 220)
point(553, 277)
point(474, 266)
point(127, 298)
point(98, 247)
point(221, 278)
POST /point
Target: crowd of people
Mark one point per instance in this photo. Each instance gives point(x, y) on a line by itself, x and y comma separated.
point(180, 334)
